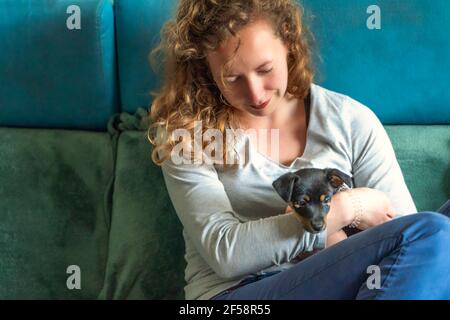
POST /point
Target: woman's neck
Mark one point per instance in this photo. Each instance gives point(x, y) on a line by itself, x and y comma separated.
point(285, 113)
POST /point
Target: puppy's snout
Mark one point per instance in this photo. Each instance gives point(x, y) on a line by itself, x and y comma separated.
point(317, 225)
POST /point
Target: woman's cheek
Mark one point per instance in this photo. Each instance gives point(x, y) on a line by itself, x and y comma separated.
point(277, 82)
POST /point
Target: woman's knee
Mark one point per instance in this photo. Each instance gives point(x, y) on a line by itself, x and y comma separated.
point(434, 220)
point(427, 223)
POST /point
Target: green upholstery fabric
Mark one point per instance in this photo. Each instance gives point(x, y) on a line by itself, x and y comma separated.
point(146, 248)
point(53, 212)
point(424, 156)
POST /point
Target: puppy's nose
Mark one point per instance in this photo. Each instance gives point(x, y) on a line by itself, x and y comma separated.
point(317, 225)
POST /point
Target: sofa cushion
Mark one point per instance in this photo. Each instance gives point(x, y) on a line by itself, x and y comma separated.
point(423, 153)
point(54, 212)
point(146, 246)
point(52, 75)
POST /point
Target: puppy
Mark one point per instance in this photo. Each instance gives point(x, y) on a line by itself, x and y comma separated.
point(308, 192)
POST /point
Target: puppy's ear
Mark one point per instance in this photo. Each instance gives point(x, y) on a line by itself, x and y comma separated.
point(337, 178)
point(284, 185)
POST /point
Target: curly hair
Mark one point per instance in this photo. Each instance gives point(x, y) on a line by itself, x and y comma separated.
point(188, 92)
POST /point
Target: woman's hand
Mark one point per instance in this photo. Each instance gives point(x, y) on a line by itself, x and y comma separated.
point(370, 207)
point(336, 237)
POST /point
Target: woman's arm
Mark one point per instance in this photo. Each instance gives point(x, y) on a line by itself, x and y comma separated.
point(336, 237)
point(231, 247)
point(373, 159)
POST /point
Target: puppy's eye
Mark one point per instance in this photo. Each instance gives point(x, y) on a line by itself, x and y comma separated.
point(325, 198)
point(300, 203)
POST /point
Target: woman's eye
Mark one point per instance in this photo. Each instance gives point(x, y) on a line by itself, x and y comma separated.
point(265, 71)
point(231, 79)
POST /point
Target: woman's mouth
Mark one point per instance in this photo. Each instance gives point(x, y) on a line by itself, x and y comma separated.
point(262, 105)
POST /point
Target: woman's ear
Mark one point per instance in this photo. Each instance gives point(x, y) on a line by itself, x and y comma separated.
point(287, 46)
point(284, 185)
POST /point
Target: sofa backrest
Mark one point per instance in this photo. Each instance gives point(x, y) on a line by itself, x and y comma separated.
point(57, 63)
point(401, 71)
point(138, 26)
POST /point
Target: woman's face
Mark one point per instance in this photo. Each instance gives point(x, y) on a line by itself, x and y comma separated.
point(258, 74)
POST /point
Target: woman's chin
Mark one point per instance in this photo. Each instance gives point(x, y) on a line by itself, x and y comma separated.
point(261, 112)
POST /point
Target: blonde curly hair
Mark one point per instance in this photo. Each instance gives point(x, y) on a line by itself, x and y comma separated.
point(189, 93)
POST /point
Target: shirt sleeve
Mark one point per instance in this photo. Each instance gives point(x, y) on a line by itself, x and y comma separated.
point(231, 247)
point(374, 162)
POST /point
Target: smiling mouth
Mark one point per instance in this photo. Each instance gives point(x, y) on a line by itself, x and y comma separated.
point(262, 105)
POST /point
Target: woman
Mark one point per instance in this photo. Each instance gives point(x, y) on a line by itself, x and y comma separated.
point(245, 64)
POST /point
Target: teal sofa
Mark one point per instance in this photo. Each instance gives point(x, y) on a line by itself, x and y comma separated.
point(77, 186)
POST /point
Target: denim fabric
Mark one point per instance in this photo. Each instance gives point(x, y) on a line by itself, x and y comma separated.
point(410, 253)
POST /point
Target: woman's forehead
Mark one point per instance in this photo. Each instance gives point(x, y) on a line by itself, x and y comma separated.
point(253, 46)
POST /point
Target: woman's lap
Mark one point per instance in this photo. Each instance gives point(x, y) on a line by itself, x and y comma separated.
point(400, 249)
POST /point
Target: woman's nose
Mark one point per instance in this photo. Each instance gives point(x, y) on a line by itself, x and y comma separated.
point(255, 91)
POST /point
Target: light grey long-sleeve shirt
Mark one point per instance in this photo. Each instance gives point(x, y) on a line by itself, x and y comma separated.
point(234, 221)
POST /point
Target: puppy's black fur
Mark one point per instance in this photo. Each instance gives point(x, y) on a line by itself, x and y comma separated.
point(309, 193)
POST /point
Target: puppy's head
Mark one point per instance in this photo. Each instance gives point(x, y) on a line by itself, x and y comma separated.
point(308, 192)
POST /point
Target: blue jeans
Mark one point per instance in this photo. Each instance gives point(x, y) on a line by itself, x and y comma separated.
point(410, 254)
